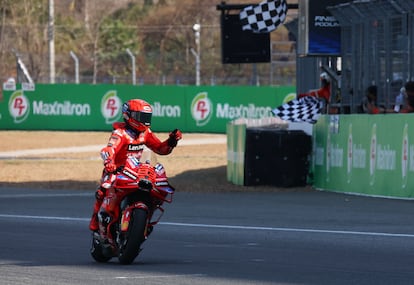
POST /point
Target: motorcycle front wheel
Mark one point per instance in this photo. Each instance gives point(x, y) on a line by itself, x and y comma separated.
point(134, 237)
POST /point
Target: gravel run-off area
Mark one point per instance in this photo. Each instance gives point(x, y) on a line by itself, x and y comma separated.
point(70, 160)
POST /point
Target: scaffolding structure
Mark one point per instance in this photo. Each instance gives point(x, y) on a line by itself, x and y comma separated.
point(377, 48)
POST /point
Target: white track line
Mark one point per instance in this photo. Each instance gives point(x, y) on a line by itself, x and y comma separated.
point(158, 276)
point(250, 228)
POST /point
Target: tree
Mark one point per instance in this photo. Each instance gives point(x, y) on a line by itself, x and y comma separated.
point(25, 22)
point(158, 32)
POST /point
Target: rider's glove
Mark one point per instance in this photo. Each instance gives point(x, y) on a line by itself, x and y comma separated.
point(174, 137)
point(100, 194)
point(110, 166)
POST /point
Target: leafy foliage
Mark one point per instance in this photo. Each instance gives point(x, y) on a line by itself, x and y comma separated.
point(159, 33)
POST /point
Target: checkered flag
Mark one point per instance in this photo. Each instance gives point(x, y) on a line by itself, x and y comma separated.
point(305, 109)
point(264, 17)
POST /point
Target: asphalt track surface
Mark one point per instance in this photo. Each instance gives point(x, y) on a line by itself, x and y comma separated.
point(215, 238)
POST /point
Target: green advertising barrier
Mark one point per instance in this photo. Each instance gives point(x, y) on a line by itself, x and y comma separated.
point(75, 107)
point(236, 140)
point(365, 154)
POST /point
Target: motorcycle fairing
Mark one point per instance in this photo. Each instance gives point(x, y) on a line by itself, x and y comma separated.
point(127, 214)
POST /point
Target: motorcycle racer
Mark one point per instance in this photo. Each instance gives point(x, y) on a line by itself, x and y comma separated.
point(128, 139)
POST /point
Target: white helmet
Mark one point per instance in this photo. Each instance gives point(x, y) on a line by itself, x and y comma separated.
point(325, 76)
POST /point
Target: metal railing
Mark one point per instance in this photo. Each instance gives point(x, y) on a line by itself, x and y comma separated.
point(377, 48)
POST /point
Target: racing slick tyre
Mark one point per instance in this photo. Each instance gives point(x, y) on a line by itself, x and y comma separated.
point(134, 237)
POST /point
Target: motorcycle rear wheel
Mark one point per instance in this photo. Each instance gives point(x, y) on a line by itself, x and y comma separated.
point(135, 236)
point(97, 250)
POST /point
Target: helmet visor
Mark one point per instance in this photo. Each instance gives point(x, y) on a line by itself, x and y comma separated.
point(142, 117)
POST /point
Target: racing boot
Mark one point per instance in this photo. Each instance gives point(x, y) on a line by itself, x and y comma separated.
point(94, 223)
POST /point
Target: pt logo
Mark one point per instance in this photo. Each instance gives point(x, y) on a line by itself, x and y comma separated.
point(19, 106)
point(201, 109)
point(111, 106)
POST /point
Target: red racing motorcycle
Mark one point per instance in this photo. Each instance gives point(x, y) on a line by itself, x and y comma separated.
point(141, 190)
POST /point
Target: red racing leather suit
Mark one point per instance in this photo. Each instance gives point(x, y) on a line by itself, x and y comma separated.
point(122, 144)
point(125, 142)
